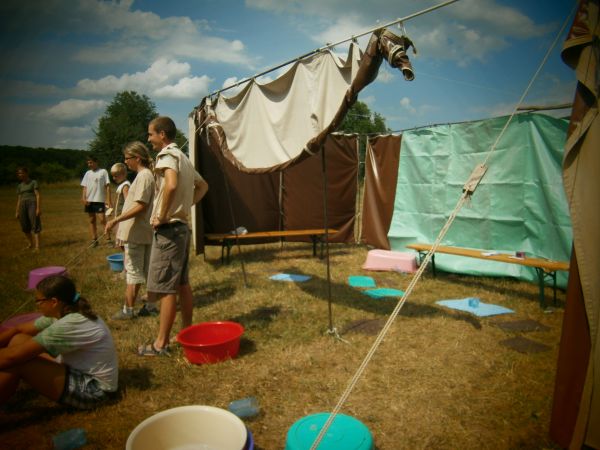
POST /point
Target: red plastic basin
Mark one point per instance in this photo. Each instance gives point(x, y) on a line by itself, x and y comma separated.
point(211, 342)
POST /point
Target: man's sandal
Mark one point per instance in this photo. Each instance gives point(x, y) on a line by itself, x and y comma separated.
point(151, 350)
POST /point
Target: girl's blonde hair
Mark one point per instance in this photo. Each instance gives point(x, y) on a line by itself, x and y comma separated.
point(137, 149)
point(118, 168)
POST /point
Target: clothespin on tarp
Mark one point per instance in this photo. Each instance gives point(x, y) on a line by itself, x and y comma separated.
point(474, 179)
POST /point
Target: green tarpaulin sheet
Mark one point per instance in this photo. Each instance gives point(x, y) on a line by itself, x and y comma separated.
point(520, 204)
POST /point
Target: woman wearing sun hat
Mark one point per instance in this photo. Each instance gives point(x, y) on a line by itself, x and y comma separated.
point(68, 354)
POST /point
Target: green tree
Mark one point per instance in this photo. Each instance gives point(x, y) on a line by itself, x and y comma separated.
point(362, 121)
point(126, 119)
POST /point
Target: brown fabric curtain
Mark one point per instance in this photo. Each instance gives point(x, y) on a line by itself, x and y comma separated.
point(381, 175)
point(576, 408)
point(303, 189)
point(236, 198)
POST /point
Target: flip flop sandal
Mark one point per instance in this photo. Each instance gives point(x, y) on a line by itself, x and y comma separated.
point(150, 350)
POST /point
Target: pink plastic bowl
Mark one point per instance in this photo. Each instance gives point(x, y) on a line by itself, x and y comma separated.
point(211, 342)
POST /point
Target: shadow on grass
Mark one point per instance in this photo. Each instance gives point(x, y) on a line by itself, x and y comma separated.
point(137, 378)
point(257, 318)
point(504, 288)
point(214, 294)
point(343, 294)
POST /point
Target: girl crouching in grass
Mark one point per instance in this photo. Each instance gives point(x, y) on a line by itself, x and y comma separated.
point(68, 354)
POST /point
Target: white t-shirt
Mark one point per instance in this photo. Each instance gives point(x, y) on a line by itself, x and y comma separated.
point(95, 182)
point(120, 198)
point(81, 343)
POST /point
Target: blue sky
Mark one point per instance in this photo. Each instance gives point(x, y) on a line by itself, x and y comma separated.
point(64, 60)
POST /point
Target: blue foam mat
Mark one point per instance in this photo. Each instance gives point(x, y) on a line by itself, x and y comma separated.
point(361, 281)
point(290, 277)
point(481, 309)
point(383, 293)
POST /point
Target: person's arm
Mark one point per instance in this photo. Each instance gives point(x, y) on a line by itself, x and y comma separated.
point(84, 195)
point(108, 202)
point(20, 353)
point(136, 209)
point(125, 191)
point(23, 328)
point(170, 185)
point(200, 189)
point(38, 206)
point(18, 206)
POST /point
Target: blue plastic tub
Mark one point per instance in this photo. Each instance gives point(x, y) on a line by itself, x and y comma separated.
point(345, 432)
point(115, 262)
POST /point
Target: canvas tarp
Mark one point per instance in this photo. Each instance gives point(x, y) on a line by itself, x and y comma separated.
point(576, 408)
point(519, 206)
point(267, 127)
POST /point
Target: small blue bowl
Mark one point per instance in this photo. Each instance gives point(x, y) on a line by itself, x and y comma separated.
point(115, 262)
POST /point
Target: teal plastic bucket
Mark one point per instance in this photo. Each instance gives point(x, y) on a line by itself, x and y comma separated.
point(345, 432)
point(115, 262)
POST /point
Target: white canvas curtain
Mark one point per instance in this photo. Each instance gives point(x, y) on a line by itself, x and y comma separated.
point(298, 105)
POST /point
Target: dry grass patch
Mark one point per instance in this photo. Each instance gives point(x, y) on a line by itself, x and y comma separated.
point(441, 379)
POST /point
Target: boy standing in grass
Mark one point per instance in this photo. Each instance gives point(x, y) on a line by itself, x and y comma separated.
point(95, 195)
point(119, 174)
point(179, 187)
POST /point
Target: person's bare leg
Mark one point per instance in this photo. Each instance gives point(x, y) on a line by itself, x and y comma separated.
point(92, 220)
point(168, 311)
point(45, 376)
point(42, 373)
point(186, 304)
point(131, 293)
point(36, 241)
point(103, 223)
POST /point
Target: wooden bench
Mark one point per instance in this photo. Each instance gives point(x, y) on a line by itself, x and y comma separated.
point(227, 240)
point(545, 269)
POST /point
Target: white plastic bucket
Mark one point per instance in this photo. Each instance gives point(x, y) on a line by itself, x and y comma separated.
point(189, 427)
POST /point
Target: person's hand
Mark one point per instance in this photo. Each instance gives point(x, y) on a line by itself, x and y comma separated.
point(84, 202)
point(156, 221)
point(17, 215)
point(110, 225)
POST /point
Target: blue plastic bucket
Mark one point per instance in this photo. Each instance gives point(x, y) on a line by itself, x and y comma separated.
point(115, 262)
point(345, 432)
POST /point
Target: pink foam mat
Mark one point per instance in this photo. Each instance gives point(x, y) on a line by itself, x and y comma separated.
point(390, 260)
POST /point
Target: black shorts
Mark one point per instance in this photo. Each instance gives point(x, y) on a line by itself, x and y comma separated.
point(95, 207)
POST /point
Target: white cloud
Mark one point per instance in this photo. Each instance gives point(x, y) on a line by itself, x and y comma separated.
point(420, 110)
point(385, 76)
point(406, 104)
point(188, 87)
point(166, 78)
point(74, 109)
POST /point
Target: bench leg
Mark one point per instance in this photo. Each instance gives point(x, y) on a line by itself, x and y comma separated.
point(422, 256)
point(314, 238)
point(541, 278)
point(226, 247)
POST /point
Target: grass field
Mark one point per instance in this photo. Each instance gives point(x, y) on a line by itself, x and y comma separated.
point(440, 380)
